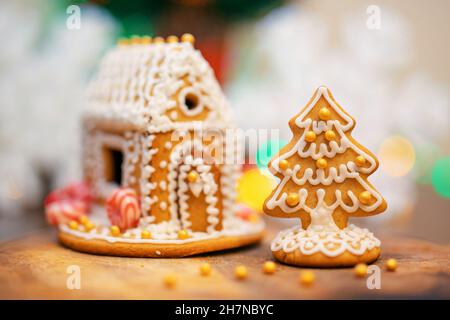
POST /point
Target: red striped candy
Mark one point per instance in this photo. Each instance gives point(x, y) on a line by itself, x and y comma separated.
point(123, 208)
point(64, 211)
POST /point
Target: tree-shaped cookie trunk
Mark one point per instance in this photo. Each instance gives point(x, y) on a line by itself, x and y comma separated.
point(323, 171)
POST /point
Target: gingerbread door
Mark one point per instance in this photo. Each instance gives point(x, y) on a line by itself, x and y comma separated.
point(198, 195)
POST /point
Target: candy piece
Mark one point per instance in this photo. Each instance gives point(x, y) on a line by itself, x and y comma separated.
point(330, 135)
point(284, 164)
point(146, 234)
point(360, 161)
point(360, 270)
point(241, 272)
point(205, 269)
point(123, 208)
point(172, 39)
point(292, 199)
point(170, 280)
point(192, 176)
point(115, 231)
point(365, 197)
point(310, 136)
point(244, 212)
point(269, 267)
point(391, 264)
point(187, 37)
point(324, 113)
point(321, 163)
point(64, 211)
point(79, 192)
point(73, 225)
point(307, 278)
point(183, 234)
point(88, 226)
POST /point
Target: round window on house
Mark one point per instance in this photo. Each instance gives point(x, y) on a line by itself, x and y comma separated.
point(191, 101)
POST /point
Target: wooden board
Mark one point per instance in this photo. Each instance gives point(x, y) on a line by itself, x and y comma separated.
point(36, 267)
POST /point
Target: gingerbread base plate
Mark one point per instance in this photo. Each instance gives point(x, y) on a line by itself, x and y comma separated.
point(157, 250)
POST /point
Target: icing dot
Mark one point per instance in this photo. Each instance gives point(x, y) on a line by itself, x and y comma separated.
point(173, 115)
point(365, 197)
point(284, 164)
point(330, 135)
point(172, 39)
point(321, 163)
point(163, 164)
point(187, 37)
point(324, 113)
point(168, 145)
point(292, 199)
point(360, 161)
point(310, 136)
point(163, 205)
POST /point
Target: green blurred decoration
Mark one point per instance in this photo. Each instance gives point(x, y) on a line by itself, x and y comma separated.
point(267, 151)
point(426, 156)
point(441, 177)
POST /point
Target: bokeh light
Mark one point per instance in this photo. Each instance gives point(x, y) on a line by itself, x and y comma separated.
point(267, 150)
point(426, 156)
point(397, 156)
point(440, 177)
point(254, 186)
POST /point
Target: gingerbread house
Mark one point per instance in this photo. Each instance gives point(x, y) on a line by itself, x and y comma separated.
point(156, 122)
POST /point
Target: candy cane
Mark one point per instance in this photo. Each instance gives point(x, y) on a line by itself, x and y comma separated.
point(123, 208)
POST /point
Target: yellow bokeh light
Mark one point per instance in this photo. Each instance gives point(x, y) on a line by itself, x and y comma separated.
point(254, 187)
point(397, 156)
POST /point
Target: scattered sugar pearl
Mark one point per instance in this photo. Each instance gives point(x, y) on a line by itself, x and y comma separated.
point(146, 234)
point(269, 267)
point(170, 281)
point(307, 278)
point(183, 234)
point(205, 269)
point(88, 226)
point(73, 225)
point(360, 270)
point(83, 219)
point(241, 272)
point(115, 231)
point(391, 264)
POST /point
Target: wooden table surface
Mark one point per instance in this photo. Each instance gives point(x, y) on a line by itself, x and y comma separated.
point(35, 267)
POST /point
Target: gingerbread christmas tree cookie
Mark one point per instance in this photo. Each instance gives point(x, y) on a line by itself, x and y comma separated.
point(323, 176)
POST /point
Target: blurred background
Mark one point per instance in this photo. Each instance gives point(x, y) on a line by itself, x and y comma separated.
point(386, 63)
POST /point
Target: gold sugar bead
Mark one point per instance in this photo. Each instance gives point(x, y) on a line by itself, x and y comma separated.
point(283, 164)
point(330, 135)
point(292, 199)
point(88, 226)
point(183, 234)
point(170, 281)
point(360, 270)
point(123, 42)
point(241, 272)
point(391, 264)
point(146, 40)
point(115, 231)
point(158, 40)
point(145, 234)
point(321, 163)
point(365, 197)
point(269, 267)
point(135, 40)
point(360, 161)
point(172, 39)
point(83, 219)
point(192, 176)
point(187, 37)
point(324, 113)
point(73, 225)
point(310, 136)
point(307, 278)
point(205, 269)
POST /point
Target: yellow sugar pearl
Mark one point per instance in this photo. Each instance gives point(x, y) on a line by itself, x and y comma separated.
point(321, 163)
point(324, 113)
point(135, 40)
point(241, 272)
point(360, 161)
point(88, 226)
point(360, 270)
point(192, 176)
point(365, 197)
point(187, 37)
point(269, 267)
point(292, 199)
point(391, 264)
point(310, 136)
point(183, 234)
point(172, 39)
point(115, 231)
point(158, 40)
point(146, 40)
point(170, 280)
point(205, 269)
point(284, 164)
point(83, 219)
point(307, 278)
point(73, 225)
point(145, 234)
point(330, 135)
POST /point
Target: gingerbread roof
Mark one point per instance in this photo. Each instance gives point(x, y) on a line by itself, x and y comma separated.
point(157, 84)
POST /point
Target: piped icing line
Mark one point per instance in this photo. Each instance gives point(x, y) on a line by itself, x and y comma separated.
point(352, 239)
point(146, 186)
